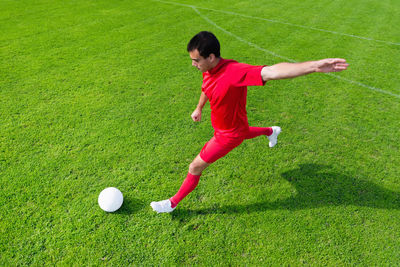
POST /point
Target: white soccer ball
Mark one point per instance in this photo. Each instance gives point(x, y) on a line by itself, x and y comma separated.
point(110, 199)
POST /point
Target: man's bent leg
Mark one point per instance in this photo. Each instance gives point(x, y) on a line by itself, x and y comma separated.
point(257, 131)
point(271, 133)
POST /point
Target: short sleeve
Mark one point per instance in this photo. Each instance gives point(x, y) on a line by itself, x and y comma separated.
point(203, 86)
point(242, 74)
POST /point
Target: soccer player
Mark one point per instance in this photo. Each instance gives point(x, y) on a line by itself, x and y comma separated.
point(225, 84)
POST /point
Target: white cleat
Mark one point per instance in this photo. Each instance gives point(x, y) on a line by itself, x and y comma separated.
point(162, 206)
point(273, 138)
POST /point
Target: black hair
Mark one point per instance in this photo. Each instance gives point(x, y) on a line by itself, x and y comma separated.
point(206, 43)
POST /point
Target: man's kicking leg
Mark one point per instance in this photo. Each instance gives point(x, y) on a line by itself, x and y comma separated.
point(189, 184)
point(271, 132)
point(211, 152)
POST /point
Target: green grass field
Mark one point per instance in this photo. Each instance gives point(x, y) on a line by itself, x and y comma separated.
point(99, 93)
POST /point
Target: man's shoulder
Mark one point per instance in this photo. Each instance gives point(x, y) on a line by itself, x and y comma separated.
point(237, 67)
point(229, 62)
point(228, 65)
point(224, 66)
point(233, 64)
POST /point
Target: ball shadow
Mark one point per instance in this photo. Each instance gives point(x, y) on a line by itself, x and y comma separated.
point(130, 206)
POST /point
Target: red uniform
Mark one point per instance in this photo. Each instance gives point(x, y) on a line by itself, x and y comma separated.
point(226, 88)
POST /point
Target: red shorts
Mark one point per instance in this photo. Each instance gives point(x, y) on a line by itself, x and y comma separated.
point(216, 148)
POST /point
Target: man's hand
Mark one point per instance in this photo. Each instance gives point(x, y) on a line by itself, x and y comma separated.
point(196, 115)
point(331, 65)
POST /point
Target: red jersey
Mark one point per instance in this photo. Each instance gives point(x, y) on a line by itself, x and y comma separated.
point(226, 88)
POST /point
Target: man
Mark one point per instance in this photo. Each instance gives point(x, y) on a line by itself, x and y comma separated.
point(225, 86)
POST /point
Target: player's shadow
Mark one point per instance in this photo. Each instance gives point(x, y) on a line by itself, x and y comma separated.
point(315, 185)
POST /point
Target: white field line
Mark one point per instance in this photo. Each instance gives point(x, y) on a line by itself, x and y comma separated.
point(240, 39)
point(288, 59)
point(281, 22)
point(279, 56)
point(364, 85)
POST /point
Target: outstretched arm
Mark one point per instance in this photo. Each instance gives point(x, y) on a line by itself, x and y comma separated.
point(292, 70)
point(196, 115)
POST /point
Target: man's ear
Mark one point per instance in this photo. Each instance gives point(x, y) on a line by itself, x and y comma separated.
point(212, 57)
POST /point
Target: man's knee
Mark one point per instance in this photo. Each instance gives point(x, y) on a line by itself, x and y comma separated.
point(197, 166)
point(192, 168)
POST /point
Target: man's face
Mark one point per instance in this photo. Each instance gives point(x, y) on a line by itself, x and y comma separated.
point(201, 63)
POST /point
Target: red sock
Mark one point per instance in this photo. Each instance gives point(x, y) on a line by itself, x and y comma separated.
point(188, 185)
point(257, 131)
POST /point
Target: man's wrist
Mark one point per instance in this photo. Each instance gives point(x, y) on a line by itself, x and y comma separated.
point(313, 67)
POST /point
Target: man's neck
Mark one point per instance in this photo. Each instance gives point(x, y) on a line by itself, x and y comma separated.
point(217, 60)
